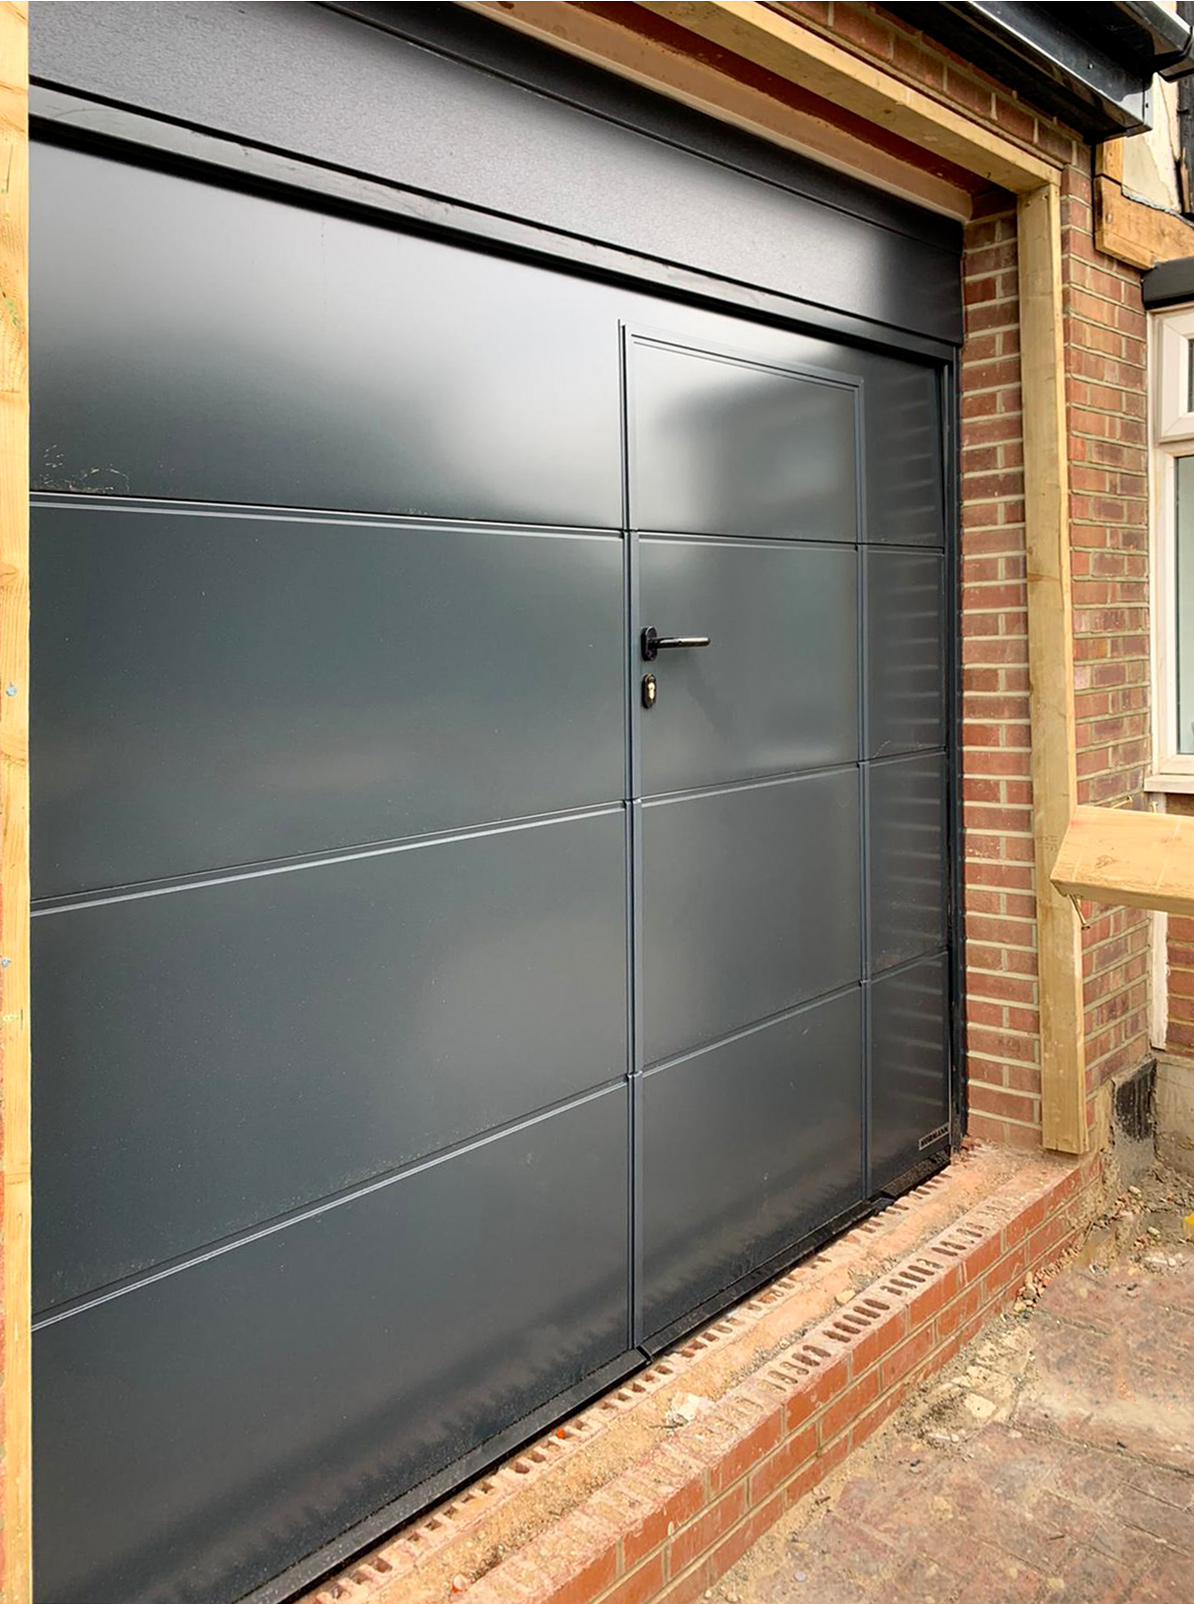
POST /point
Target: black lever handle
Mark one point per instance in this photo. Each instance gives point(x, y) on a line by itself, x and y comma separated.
point(654, 642)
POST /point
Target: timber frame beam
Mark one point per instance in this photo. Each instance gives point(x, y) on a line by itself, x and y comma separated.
point(790, 50)
point(1129, 229)
point(1128, 859)
point(1050, 664)
point(832, 72)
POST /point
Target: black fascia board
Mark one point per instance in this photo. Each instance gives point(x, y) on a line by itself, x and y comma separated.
point(1169, 284)
point(1091, 66)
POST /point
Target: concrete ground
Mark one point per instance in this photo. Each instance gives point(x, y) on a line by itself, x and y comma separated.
point(1052, 1463)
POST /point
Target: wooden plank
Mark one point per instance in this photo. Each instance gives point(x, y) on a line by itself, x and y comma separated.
point(817, 64)
point(1136, 233)
point(1050, 665)
point(14, 798)
point(1127, 859)
point(617, 45)
point(1109, 159)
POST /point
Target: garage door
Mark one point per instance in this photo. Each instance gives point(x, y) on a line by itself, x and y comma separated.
point(491, 836)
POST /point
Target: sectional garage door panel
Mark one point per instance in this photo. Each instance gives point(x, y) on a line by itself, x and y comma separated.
point(906, 809)
point(778, 689)
point(222, 688)
point(218, 1055)
point(906, 681)
point(238, 349)
point(745, 1146)
point(909, 1025)
point(724, 446)
point(736, 924)
point(442, 998)
point(243, 1410)
point(905, 464)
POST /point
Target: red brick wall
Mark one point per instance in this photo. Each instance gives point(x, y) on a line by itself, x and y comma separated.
point(1106, 390)
point(1003, 1025)
point(1105, 361)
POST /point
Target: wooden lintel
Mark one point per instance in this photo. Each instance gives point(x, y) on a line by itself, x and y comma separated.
point(16, 1576)
point(785, 47)
point(1050, 665)
point(1126, 859)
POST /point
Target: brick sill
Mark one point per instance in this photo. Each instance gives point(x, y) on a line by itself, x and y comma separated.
point(1174, 784)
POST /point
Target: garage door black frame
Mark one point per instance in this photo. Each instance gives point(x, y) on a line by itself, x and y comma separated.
point(82, 121)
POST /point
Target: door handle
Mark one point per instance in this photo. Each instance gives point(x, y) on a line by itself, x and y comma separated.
point(654, 642)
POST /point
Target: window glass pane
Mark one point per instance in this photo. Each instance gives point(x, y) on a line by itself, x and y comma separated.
point(1190, 375)
point(1184, 510)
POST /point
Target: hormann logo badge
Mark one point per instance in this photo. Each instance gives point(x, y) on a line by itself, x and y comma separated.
point(932, 1136)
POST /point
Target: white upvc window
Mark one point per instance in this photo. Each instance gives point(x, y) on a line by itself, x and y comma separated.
point(1171, 423)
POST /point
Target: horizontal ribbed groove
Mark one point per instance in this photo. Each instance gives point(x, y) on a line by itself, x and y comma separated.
point(755, 542)
point(310, 1211)
point(322, 515)
point(906, 755)
point(788, 776)
point(313, 860)
point(908, 963)
point(706, 537)
point(787, 1013)
point(755, 1025)
point(760, 782)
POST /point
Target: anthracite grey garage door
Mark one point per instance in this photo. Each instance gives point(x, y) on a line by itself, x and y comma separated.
point(491, 720)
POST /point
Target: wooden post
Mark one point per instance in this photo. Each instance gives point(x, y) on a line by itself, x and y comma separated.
point(16, 1573)
point(1050, 664)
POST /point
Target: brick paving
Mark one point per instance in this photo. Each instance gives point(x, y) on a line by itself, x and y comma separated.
point(1054, 1464)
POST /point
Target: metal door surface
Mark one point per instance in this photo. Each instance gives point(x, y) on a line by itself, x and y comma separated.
point(743, 494)
point(785, 855)
point(426, 1027)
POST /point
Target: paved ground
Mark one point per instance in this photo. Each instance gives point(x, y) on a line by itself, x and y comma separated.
point(1052, 1464)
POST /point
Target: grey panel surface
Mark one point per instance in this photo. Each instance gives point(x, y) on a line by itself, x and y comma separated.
point(750, 905)
point(909, 1064)
point(777, 688)
point(746, 1146)
point(215, 690)
point(905, 475)
point(726, 447)
point(196, 1432)
point(907, 672)
point(301, 79)
point(906, 861)
point(215, 1056)
point(235, 348)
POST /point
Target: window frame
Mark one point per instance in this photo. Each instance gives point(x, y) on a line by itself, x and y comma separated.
point(1171, 436)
